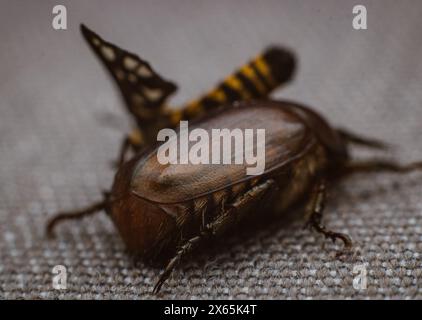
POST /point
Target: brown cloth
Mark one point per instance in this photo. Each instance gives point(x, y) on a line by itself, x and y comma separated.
point(62, 121)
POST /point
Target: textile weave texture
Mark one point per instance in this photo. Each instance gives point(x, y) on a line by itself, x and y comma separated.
point(62, 121)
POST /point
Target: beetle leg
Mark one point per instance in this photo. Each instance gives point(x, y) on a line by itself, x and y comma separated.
point(228, 218)
point(351, 137)
point(132, 141)
point(184, 249)
point(77, 214)
point(382, 165)
point(124, 149)
point(316, 210)
point(203, 218)
point(246, 200)
point(236, 211)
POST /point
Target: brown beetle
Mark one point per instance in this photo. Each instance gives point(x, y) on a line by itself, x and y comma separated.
point(171, 209)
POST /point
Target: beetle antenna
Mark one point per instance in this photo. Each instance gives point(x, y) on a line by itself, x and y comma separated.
point(98, 206)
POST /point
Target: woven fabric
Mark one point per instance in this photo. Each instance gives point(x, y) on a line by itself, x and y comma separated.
point(62, 121)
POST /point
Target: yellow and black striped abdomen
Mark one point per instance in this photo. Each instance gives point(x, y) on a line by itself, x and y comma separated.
point(254, 80)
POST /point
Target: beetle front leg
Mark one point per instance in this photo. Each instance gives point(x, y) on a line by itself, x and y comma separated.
point(381, 166)
point(353, 138)
point(315, 212)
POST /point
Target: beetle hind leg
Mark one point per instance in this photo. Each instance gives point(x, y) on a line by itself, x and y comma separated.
point(230, 215)
point(184, 250)
point(315, 213)
point(133, 141)
point(71, 215)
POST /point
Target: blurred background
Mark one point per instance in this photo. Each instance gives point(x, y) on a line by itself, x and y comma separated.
point(62, 121)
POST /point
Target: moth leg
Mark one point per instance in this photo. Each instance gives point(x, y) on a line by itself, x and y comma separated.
point(379, 165)
point(231, 215)
point(315, 212)
point(354, 138)
point(254, 80)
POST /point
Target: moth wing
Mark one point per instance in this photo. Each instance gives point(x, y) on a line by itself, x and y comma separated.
point(143, 89)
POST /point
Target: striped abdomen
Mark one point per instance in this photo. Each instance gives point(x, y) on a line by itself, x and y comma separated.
point(254, 80)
